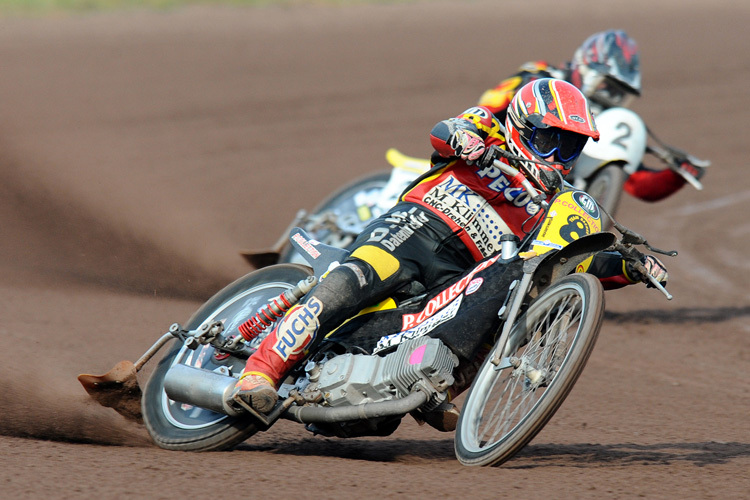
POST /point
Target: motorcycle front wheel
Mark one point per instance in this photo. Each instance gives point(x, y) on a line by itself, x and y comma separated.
point(546, 351)
point(177, 426)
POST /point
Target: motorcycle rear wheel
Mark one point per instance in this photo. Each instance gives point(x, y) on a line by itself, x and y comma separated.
point(549, 346)
point(606, 188)
point(352, 213)
point(177, 426)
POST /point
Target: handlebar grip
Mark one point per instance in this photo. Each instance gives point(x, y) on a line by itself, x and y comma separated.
point(659, 287)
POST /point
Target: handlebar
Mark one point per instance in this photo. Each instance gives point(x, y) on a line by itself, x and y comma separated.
point(674, 157)
point(625, 246)
point(490, 157)
point(513, 173)
point(634, 256)
point(629, 238)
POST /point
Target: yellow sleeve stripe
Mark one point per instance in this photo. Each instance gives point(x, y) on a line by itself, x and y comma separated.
point(426, 179)
point(626, 274)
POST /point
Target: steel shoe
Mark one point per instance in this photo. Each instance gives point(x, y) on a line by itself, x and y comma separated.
point(443, 418)
point(256, 391)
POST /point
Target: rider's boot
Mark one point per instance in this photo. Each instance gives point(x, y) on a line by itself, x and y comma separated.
point(344, 292)
point(443, 418)
point(257, 390)
point(276, 356)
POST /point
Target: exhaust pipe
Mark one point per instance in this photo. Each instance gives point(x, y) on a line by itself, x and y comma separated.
point(212, 390)
point(204, 388)
point(366, 411)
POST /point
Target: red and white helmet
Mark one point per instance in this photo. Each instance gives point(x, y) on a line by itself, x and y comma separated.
point(548, 120)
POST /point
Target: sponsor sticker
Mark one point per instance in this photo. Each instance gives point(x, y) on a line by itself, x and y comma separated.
point(298, 329)
point(587, 203)
point(445, 297)
point(546, 244)
point(474, 285)
point(421, 329)
point(306, 245)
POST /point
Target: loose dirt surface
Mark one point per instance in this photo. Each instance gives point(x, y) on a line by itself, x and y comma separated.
point(140, 152)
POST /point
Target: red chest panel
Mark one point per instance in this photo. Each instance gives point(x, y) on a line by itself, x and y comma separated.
point(479, 203)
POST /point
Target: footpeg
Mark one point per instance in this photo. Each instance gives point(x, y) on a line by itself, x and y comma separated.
point(273, 415)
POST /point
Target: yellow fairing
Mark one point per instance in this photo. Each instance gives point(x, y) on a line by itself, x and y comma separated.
point(572, 214)
point(408, 163)
point(384, 264)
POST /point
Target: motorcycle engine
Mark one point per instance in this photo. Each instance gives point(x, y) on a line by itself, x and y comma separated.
point(353, 379)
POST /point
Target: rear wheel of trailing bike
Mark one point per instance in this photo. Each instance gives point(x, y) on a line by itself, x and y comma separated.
point(545, 353)
point(350, 209)
point(606, 188)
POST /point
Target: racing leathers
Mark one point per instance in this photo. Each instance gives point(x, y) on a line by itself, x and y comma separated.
point(644, 183)
point(444, 223)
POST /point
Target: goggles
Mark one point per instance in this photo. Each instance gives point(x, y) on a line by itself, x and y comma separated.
point(610, 93)
point(564, 144)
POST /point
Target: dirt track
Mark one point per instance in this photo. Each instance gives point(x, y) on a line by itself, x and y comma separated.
point(139, 152)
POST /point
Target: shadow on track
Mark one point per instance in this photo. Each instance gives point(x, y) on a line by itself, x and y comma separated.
point(679, 316)
point(532, 456)
point(402, 450)
point(625, 454)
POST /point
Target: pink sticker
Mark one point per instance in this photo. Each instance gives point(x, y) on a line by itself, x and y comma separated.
point(417, 356)
point(474, 285)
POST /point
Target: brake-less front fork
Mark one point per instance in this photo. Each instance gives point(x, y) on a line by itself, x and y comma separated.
point(509, 315)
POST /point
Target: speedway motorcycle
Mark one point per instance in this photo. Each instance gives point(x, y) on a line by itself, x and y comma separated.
point(515, 330)
point(601, 171)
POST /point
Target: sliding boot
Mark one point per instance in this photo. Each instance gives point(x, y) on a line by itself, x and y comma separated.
point(443, 418)
point(257, 391)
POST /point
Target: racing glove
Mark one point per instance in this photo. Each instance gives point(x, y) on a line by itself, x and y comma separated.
point(451, 138)
point(686, 167)
point(653, 267)
point(467, 145)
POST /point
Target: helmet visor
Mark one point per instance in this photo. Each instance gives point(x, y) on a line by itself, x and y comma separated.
point(564, 144)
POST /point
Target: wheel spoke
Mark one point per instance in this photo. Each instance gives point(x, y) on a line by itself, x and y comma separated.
point(503, 400)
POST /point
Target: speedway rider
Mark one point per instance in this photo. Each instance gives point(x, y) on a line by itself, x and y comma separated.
point(448, 220)
point(606, 67)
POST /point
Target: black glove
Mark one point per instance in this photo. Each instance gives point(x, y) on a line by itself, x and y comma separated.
point(490, 154)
